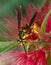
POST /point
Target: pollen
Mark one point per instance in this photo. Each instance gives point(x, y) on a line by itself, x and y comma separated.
point(25, 36)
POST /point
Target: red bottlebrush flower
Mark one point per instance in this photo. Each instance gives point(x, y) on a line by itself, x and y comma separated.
point(21, 58)
point(46, 7)
point(48, 27)
point(32, 36)
point(37, 57)
point(47, 37)
point(12, 26)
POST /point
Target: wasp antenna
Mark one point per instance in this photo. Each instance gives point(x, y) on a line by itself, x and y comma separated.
point(19, 17)
point(31, 21)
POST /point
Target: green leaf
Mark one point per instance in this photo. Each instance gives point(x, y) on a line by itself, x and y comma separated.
point(2, 38)
point(9, 5)
point(43, 26)
point(7, 46)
